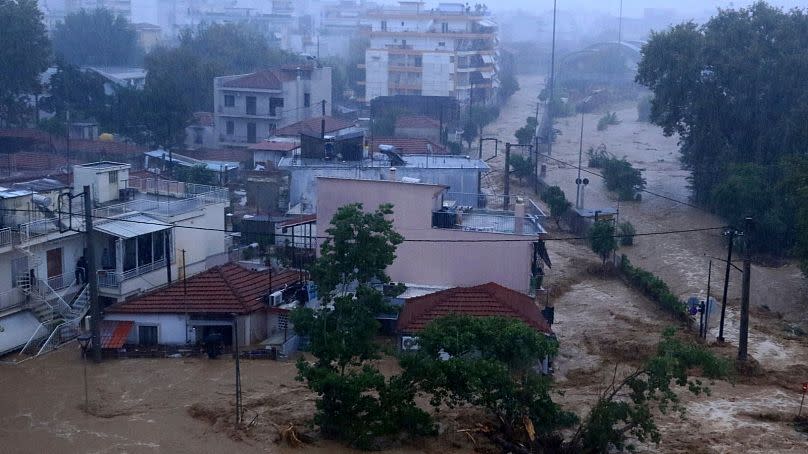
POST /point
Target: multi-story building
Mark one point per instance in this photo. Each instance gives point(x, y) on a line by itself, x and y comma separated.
point(251, 107)
point(144, 230)
point(117, 7)
point(447, 51)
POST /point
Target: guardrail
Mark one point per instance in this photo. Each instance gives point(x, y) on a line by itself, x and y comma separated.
point(113, 279)
point(6, 236)
point(11, 298)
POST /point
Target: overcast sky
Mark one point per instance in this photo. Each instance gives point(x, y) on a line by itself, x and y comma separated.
point(632, 7)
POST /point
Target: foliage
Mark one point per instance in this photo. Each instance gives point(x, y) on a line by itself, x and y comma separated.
point(198, 174)
point(491, 364)
point(654, 288)
point(608, 120)
point(627, 232)
point(479, 117)
point(508, 85)
point(555, 198)
point(602, 240)
point(356, 403)
point(598, 156)
point(620, 176)
point(24, 55)
point(524, 135)
point(455, 148)
point(384, 124)
point(644, 108)
point(625, 409)
point(732, 91)
point(82, 92)
point(796, 178)
point(96, 37)
point(522, 166)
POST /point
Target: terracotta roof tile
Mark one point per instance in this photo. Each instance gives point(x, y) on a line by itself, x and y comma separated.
point(312, 126)
point(408, 145)
point(227, 288)
point(114, 333)
point(481, 301)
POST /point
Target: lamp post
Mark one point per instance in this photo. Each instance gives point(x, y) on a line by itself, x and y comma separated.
point(84, 341)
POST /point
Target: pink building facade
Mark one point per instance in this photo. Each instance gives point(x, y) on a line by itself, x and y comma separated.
point(470, 252)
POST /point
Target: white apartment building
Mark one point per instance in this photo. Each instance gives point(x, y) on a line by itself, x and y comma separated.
point(249, 108)
point(139, 232)
point(447, 51)
point(117, 7)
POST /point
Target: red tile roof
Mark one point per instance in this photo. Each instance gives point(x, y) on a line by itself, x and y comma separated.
point(203, 118)
point(274, 145)
point(312, 126)
point(408, 145)
point(481, 301)
point(114, 333)
point(267, 79)
point(223, 289)
point(416, 121)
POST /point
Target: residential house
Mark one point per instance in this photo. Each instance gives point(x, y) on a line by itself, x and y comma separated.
point(450, 50)
point(148, 35)
point(249, 108)
point(268, 153)
point(129, 77)
point(447, 244)
point(186, 312)
point(201, 133)
point(406, 146)
point(317, 126)
point(418, 127)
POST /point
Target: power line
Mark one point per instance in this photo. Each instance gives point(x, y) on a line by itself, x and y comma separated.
point(409, 240)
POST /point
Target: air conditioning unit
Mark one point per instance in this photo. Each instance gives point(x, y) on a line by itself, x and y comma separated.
point(275, 299)
point(409, 343)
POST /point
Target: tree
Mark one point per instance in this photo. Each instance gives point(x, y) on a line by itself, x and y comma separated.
point(620, 176)
point(522, 166)
point(96, 37)
point(524, 135)
point(488, 362)
point(601, 239)
point(555, 198)
point(796, 179)
point(627, 232)
point(24, 55)
point(624, 408)
point(356, 403)
point(198, 174)
point(478, 118)
point(80, 92)
point(732, 91)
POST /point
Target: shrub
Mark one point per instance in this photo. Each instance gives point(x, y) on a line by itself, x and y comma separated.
point(455, 148)
point(555, 198)
point(609, 119)
point(620, 176)
point(627, 232)
point(598, 156)
point(654, 288)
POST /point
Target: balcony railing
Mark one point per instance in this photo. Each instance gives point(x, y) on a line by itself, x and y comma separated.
point(112, 279)
point(5, 237)
point(61, 281)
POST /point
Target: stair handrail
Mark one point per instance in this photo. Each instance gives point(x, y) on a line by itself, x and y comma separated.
point(75, 320)
point(33, 337)
point(64, 308)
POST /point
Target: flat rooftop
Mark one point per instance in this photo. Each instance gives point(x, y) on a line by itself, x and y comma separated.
point(381, 161)
point(101, 165)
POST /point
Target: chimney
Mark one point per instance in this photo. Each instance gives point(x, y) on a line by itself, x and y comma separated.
point(519, 216)
point(393, 174)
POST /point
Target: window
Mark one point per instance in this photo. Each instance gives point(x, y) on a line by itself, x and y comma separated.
point(147, 335)
point(159, 240)
point(274, 104)
point(442, 43)
point(229, 100)
point(19, 265)
point(444, 27)
point(129, 254)
point(306, 99)
point(198, 136)
point(113, 177)
point(144, 250)
point(251, 133)
point(251, 105)
point(231, 128)
point(384, 25)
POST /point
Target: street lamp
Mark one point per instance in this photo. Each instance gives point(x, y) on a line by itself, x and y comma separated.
point(84, 341)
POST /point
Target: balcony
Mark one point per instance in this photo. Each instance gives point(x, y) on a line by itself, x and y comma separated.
point(516, 219)
point(110, 279)
point(11, 298)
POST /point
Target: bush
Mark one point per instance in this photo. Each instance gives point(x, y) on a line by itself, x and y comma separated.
point(654, 288)
point(522, 167)
point(609, 119)
point(644, 108)
point(598, 156)
point(627, 232)
point(601, 239)
point(455, 148)
point(555, 198)
point(621, 177)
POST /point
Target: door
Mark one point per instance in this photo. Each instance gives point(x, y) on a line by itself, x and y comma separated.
point(250, 105)
point(54, 259)
point(147, 335)
point(251, 132)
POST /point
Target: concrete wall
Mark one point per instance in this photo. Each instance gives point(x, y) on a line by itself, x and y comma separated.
point(170, 327)
point(200, 244)
point(431, 263)
point(437, 79)
point(376, 74)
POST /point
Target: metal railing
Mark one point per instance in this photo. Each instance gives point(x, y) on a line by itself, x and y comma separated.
point(5, 237)
point(62, 281)
point(113, 279)
point(487, 221)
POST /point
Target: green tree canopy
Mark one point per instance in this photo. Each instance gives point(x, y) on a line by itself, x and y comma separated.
point(82, 92)
point(557, 201)
point(96, 38)
point(24, 55)
point(602, 239)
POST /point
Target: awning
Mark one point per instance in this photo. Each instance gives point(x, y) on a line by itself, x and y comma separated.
point(16, 329)
point(486, 23)
point(487, 74)
point(115, 332)
point(488, 59)
point(132, 226)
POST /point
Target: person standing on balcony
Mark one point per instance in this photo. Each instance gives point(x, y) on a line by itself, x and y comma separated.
point(81, 270)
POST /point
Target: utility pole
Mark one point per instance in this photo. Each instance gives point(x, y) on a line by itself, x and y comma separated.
point(580, 154)
point(551, 132)
point(167, 248)
point(507, 200)
point(92, 276)
point(743, 340)
point(238, 371)
point(706, 312)
point(620, 25)
point(731, 232)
